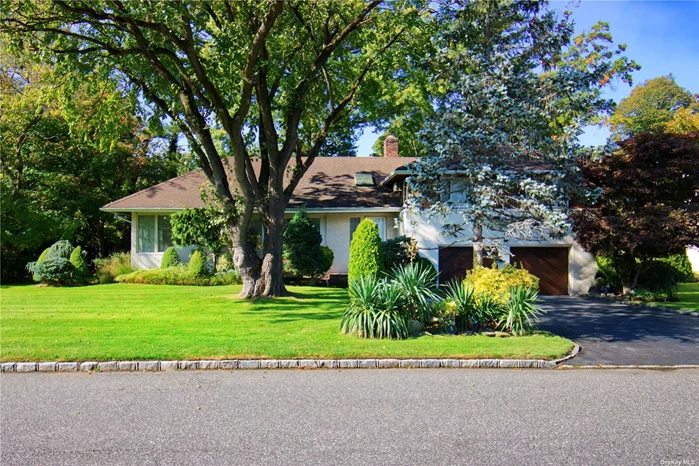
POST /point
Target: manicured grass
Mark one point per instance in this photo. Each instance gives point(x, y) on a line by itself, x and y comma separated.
point(122, 321)
point(688, 293)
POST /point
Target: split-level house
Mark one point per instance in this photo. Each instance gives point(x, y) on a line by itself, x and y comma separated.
point(340, 192)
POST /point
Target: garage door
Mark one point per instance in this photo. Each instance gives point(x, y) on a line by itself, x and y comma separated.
point(455, 261)
point(549, 264)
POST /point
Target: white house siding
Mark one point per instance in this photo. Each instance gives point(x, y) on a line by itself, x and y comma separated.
point(337, 235)
point(151, 260)
point(428, 232)
point(693, 255)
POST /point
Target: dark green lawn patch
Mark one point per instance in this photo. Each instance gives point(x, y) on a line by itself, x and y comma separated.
point(122, 321)
point(687, 295)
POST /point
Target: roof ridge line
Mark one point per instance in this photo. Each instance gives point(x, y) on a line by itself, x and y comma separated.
point(154, 186)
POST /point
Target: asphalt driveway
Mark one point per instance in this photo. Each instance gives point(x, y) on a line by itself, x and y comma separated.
point(616, 333)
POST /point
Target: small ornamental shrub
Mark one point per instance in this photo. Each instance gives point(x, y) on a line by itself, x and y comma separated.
point(302, 250)
point(225, 263)
point(42, 258)
point(197, 264)
point(396, 252)
point(56, 272)
point(607, 277)
point(60, 249)
point(375, 309)
point(77, 258)
point(520, 310)
point(109, 268)
point(498, 282)
point(680, 262)
point(418, 285)
point(366, 256)
point(328, 258)
point(461, 296)
point(170, 258)
point(487, 311)
point(660, 277)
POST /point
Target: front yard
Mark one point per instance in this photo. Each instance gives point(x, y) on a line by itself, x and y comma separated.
point(688, 294)
point(141, 322)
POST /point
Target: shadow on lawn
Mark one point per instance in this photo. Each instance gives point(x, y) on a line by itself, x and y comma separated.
point(299, 306)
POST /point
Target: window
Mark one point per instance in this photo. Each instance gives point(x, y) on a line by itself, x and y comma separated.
point(164, 233)
point(381, 223)
point(146, 233)
point(154, 233)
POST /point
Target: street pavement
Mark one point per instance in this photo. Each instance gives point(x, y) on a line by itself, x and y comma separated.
point(353, 417)
point(616, 333)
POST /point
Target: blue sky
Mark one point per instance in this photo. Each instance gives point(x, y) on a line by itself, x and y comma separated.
point(663, 37)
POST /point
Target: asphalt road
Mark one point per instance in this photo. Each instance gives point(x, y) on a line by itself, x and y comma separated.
point(357, 417)
point(615, 333)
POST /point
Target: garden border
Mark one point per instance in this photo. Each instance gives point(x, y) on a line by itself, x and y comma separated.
point(231, 364)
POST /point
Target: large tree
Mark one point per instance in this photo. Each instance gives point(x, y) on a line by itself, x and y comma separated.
point(652, 106)
point(273, 78)
point(649, 202)
point(503, 139)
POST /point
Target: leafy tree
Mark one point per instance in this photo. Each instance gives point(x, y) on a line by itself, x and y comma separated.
point(302, 249)
point(198, 227)
point(503, 139)
point(66, 149)
point(651, 106)
point(248, 79)
point(648, 204)
point(366, 256)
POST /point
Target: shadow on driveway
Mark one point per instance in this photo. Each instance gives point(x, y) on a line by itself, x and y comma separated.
point(616, 333)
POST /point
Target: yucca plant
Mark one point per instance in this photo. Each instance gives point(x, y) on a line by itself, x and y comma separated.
point(462, 295)
point(375, 309)
point(487, 309)
point(417, 283)
point(520, 311)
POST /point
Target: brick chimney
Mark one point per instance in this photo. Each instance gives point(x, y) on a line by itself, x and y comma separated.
point(390, 146)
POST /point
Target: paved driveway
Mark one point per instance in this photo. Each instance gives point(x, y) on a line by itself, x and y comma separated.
point(615, 333)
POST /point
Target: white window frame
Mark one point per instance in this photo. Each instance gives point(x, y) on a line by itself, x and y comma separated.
point(156, 238)
point(383, 233)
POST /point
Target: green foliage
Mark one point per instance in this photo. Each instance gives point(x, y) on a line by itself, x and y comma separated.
point(170, 258)
point(197, 264)
point(607, 276)
point(302, 250)
point(397, 251)
point(56, 271)
point(328, 258)
point(659, 276)
point(42, 258)
point(461, 296)
point(366, 256)
point(375, 309)
point(520, 310)
point(60, 250)
point(77, 258)
point(488, 310)
point(180, 275)
point(198, 227)
point(418, 287)
point(651, 106)
point(107, 269)
point(680, 262)
point(497, 283)
point(225, 263)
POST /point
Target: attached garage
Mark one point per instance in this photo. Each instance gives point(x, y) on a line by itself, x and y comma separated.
point(549, 264)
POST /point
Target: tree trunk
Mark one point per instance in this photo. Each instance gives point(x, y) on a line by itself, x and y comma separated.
point(245, 257)
point(271, 280)
point(628, 272)
point(478, 249)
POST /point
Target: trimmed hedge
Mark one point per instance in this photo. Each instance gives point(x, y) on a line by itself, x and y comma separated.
point(179, 275)
point(366, 256)
point(77, 258)
point(197, 265)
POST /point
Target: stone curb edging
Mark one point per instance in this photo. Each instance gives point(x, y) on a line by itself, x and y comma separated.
point(243, 364)
point(230, 364)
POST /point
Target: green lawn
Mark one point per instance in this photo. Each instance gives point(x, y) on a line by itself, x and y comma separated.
point(122, 321)
point(688, 295)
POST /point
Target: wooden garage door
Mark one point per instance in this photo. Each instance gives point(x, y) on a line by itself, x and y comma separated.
point(455, 261)
point(549, 264)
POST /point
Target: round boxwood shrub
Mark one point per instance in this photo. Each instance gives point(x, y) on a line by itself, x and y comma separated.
point(77, 258)
point(170, 258)
point(197, 264)
point(396, 252)
point(366, 256)
point(328, 258)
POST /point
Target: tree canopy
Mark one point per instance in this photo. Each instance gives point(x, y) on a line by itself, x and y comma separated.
point(519, 87)
point(656, 105)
